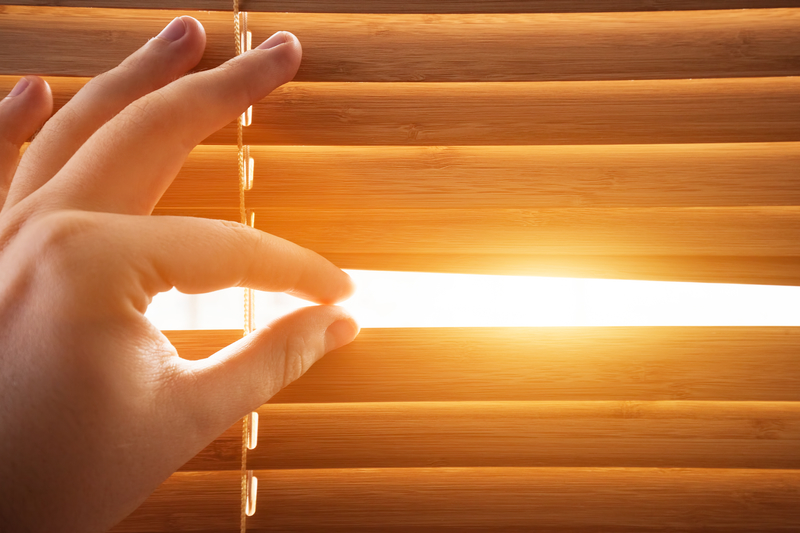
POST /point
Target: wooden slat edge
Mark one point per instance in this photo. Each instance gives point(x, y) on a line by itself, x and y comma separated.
point(422, 6)
point(525, 499)
point(479, 499)
point(587, 231)
point(482, 177)
point(764, 270)
point(439, 48)
point(535, 113)
point(201, 502)
point(682, 434)
point(569, 364)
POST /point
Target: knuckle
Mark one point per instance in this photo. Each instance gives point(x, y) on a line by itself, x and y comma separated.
point(58, 235)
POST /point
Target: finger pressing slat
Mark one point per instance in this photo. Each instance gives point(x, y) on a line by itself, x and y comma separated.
point(551, 113)
point(681, 434)
point(762, 269)
point(332, 177)
point(89, 41)
point(549, 364)
point(380, 48)
point(423, 6)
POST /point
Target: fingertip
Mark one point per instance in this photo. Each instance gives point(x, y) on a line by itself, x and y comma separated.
point(184, 38)
point(340, 333)
point(41, 96)
point(284, 51)
point(280, 38)
point(349, 287)
point(195, 32)
point(25, 109)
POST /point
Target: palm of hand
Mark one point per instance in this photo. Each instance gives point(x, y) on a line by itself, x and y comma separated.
point(97, 408)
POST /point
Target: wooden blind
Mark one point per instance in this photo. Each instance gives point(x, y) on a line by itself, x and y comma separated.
point(632, 139)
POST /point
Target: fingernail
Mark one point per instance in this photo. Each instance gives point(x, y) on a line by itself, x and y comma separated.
point(18, 89)
point(174, 30)
point(340, 333)
point(275, 40)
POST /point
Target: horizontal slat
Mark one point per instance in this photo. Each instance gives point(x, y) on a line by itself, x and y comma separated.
point(483, 499)
point(609, 112)
point(547, 364)
point(765, 270)
point(201, 502)
point(90, 41)
point(699, 269)
point(530, 176)
point(332, 177)
point(544, 113)
point(467, 434)
point(520, 47)
point(521, 499)
point(422, 6)
point(713, 231)
point(525, 364)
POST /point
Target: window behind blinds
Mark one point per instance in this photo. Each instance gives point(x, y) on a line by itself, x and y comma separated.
point(626, 139)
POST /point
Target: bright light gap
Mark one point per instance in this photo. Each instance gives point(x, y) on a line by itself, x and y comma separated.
point(413, 299)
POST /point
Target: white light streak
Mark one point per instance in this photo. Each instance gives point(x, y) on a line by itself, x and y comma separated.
point(412, 299)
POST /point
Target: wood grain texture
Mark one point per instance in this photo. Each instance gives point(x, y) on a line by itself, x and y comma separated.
point(351, 177)
point(557, 364)
point(765, 270)
point(527, 499)
point(568, 364)
point(712, 231)
point(682, 434)
point(752, 368)
point(90, 41)
point(480, 499)
point(521, 499)
point(731, 269)
point(547, 113)
point(423, 6)
point(202, 502)
point(438, 48)
point(543, 113)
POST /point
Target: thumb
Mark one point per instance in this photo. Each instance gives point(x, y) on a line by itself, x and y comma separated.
point(239, 378)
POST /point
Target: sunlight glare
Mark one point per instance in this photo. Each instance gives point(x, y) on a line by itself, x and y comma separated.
point(414, 299)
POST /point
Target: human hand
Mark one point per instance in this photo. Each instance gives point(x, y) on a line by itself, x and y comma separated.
point(96, 407)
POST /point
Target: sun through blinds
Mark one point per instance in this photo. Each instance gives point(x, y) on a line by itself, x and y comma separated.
point(628, 139)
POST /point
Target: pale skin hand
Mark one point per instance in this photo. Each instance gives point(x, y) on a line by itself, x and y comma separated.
point(96, 407)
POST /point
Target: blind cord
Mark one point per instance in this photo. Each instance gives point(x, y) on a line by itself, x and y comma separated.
point(237, 38)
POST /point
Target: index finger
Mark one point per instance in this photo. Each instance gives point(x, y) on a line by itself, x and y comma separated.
point(197, 255)
point(127, 164)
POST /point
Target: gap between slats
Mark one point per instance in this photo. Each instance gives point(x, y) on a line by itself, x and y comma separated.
point(516, 47)
point(423, 6)
point(543, 113)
